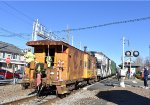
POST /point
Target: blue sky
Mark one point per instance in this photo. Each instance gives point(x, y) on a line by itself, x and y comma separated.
point(58, 15)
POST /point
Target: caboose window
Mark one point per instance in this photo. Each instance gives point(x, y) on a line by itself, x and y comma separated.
point(80, 63)
point(84, 64)
point(89, 64)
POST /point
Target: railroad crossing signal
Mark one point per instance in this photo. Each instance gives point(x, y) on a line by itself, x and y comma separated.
point(132, 53)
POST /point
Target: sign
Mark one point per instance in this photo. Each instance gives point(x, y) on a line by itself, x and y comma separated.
point(8, 60)
point(123, 72)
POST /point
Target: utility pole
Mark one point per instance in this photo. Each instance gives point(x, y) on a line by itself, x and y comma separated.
point(149, 53)
point(35, 30)
point(123, 42)
point(80, 46)
point(122, 70)
point(72, 40)
point(130, 67)
point(68, 35)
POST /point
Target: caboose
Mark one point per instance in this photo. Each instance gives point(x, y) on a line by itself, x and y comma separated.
point(61, 67)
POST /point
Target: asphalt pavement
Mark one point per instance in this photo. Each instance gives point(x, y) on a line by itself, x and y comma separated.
point(134, 92)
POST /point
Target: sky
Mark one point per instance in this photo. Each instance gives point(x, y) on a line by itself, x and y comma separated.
point(17, 17)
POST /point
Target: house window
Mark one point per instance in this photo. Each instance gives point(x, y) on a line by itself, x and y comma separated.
point(14, 56)
point(19, 57)
point(3, 54)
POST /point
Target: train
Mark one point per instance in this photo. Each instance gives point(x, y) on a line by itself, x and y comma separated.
point(60, 68)
point(104, 65)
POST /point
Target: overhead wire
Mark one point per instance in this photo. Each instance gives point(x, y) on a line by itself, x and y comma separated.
point(29, 21)
point(19, 18)
point(20, 12)
point(12, 33)
point(105, 24)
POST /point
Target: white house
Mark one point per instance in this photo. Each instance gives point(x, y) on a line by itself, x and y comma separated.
point(17, 61)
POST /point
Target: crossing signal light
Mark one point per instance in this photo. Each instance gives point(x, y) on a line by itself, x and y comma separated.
point(135, 53)
point(128, 53)
point(131, 53)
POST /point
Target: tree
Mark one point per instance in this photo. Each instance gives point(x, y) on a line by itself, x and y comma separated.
point(147, 62)
point(139, 62)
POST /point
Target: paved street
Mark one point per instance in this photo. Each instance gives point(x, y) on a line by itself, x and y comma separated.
point(114, 82)
point(133, 94)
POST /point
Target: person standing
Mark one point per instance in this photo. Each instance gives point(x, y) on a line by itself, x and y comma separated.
point(146, 77)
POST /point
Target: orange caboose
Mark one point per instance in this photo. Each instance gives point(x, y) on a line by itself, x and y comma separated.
point(68, 67)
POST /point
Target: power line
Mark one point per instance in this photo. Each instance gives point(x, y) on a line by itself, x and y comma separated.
point(21, 19)
point(13, 34)
point(23, 14)
point(106, 24)
point(10, 35)
point(6, 35)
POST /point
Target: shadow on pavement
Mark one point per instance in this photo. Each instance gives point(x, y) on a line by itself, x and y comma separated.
point(123, 97)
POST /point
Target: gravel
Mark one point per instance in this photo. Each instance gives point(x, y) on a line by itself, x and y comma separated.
point(97, 94)
point(12, 92)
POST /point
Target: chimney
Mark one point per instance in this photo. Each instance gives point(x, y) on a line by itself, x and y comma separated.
point(85, 47)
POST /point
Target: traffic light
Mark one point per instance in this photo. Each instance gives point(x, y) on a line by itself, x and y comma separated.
point(131, 53)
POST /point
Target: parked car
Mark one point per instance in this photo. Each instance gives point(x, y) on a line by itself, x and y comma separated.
point(2, 77)
point(8, 74)
point(20, 72)
point(148, 74)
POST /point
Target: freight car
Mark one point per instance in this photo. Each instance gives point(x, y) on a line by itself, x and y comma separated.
point(105, 66)
point(58, 67)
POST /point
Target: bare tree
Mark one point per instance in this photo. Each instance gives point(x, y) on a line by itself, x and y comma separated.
point(147, 62)
point(139, 62)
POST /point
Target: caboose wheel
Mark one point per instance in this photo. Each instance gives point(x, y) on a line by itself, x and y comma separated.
point(61, 95)
point(24, 86)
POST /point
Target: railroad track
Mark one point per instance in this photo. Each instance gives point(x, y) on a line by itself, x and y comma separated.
point(33, 100)
point(44, 100)
point(19, 101)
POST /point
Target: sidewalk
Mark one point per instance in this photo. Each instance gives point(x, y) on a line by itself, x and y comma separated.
point(136, 83)
point(134, 92)
point(106, 93)
point(125, 96)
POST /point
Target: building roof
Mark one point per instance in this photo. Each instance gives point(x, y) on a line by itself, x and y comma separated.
point(96, 52)
point(10, 48)
point(128, 65)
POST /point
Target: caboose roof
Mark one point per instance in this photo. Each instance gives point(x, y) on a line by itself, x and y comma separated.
point(46, 42)
point(50, 42)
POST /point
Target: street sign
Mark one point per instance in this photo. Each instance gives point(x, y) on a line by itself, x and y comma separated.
point(8, 60)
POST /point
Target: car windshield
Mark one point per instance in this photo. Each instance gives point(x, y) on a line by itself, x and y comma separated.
point(1, 70)
point(19, 71)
